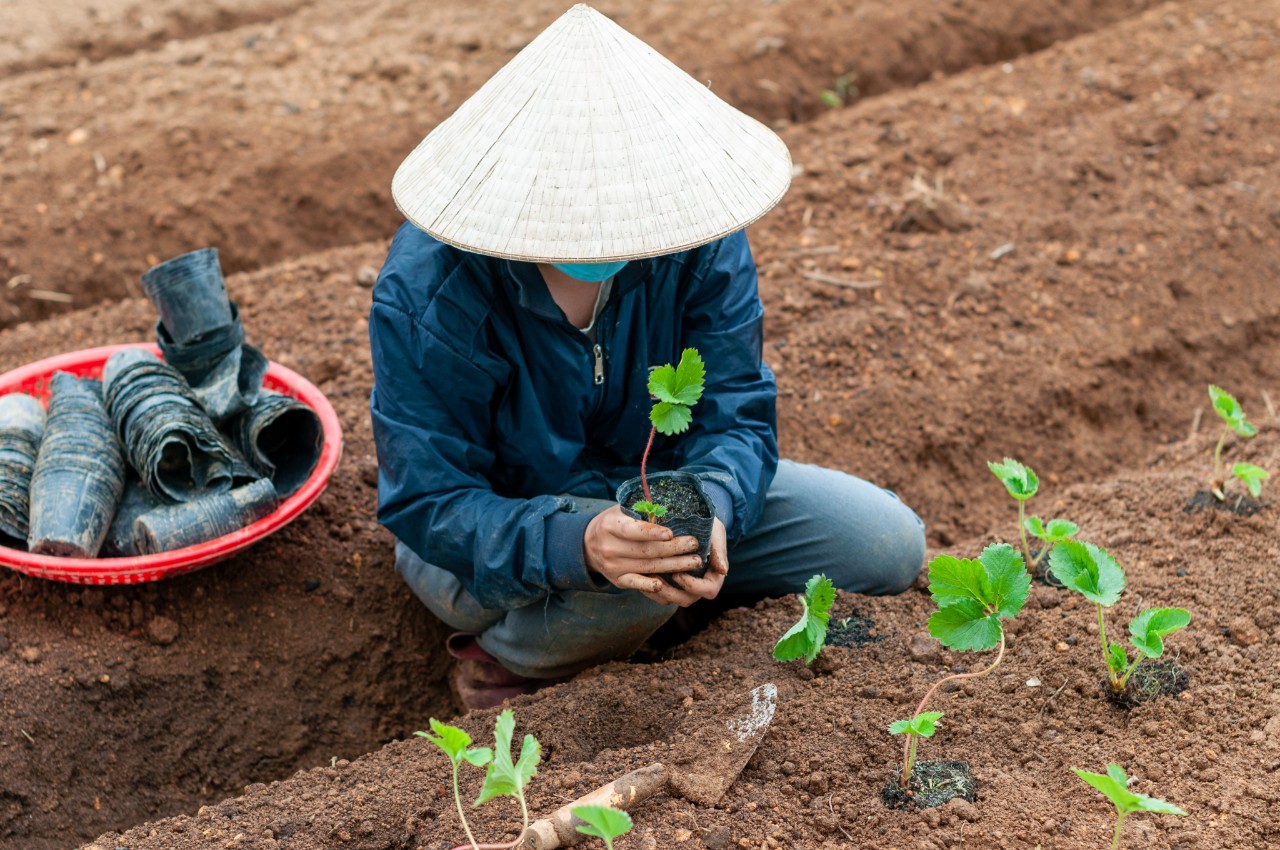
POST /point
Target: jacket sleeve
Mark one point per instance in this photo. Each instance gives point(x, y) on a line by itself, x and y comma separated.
point(732, 444)
point(433, 433)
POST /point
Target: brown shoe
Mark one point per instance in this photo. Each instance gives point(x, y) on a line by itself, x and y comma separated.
point(480, 680)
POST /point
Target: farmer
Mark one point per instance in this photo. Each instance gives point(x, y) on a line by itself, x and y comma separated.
point(578, 220)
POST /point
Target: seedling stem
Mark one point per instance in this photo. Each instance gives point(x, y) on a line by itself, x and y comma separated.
point(457, 799)
point(909, 751)
point(1022, 530)
point(1219, 483)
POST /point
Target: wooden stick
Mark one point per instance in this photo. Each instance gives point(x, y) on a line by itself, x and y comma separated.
point(1271, 407)
point(839, 281)
point(560, 828)
point(1195, 423)
point(814, 251)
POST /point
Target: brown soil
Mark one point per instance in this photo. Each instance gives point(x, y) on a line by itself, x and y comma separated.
point(272, 128)
point(1133, 170)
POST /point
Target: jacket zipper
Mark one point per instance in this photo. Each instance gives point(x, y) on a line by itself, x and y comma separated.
point(598, 369)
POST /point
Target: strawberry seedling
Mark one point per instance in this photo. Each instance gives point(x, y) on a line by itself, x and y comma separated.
point(603, 822)
point(1114, 784)
point(456, 744)
point(807, 637)
point(973, 596)
point(1022, 483)
point(503, 778)
point(1095, 575)
point(1233, 415)
point(674, 389)
point(923, 725)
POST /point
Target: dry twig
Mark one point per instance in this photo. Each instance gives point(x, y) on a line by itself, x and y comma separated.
point(840, 281)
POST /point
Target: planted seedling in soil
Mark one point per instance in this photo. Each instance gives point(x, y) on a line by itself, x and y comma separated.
point(603, 822)
point(807, 637)
point(973, 596)
point(503, 778)
point(1022, 483)
point(1114, 784)
point(1233, 415)
point(1095, 575)
point(675, 389)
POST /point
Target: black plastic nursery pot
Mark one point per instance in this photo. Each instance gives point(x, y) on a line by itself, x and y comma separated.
point(690, 510)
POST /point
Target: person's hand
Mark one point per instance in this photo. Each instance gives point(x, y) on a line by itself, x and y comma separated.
point(708, 587)
point(633, 554)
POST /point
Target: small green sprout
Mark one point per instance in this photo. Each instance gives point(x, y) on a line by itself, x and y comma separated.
point(649, 509)
point(1233, 415)
point(1022, 483)
point(842, 91)
point(457, 746)
point(973, 596)
point(1114, 784)
point(502, 778)
point(602, 822)
point(1252, 476)
point(923, 725)
point(807, 637)
point(674, 389)
point(1090, 571)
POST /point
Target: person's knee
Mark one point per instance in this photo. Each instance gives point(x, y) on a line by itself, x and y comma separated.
point(902, 560)
point(888, 560)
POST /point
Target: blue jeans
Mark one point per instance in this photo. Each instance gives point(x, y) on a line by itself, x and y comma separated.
point(815, 520)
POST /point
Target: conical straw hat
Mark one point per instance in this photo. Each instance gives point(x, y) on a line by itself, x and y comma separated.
point(589, 146)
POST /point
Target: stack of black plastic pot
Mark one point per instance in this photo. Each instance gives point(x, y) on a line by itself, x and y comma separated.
point(161, 454)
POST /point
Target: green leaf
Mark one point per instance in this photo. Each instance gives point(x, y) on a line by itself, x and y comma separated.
point(806, 638)
point(1007, 578)
point(451, 739)
point(1117, 658)
point(682, 384)
point(923, 724)
point(479, 756)
point(1114, 785)
point(670, 419)
point(1056, 531)
point(1088, 570)
point(965, 626)
point(1148, 629)
point(997, 581)
point(831, 99)
point(649, 508)
point(1017, 478)
point(602, 821)
point(1230, 411)
point(1060, 530)
point(953, 580)
point(503, 778)
point(1252, 476)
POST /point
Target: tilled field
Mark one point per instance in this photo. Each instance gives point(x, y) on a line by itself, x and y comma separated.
point(1049, 256)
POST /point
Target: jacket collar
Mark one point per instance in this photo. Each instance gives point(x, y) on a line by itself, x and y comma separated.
point(532, 293)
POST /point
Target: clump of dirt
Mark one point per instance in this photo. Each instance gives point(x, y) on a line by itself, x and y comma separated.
point(1236, 503)
point(852, 629)
point(1150, 680)
point(933, 783)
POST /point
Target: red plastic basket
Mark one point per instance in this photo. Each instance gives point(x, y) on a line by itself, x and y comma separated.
point(34, 379)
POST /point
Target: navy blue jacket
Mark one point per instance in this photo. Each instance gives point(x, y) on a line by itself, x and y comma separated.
point(486, 406)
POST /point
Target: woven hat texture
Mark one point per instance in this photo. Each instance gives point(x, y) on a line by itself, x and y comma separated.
point(589, 146)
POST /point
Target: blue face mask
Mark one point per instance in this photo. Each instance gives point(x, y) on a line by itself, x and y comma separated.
point(590, 272)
